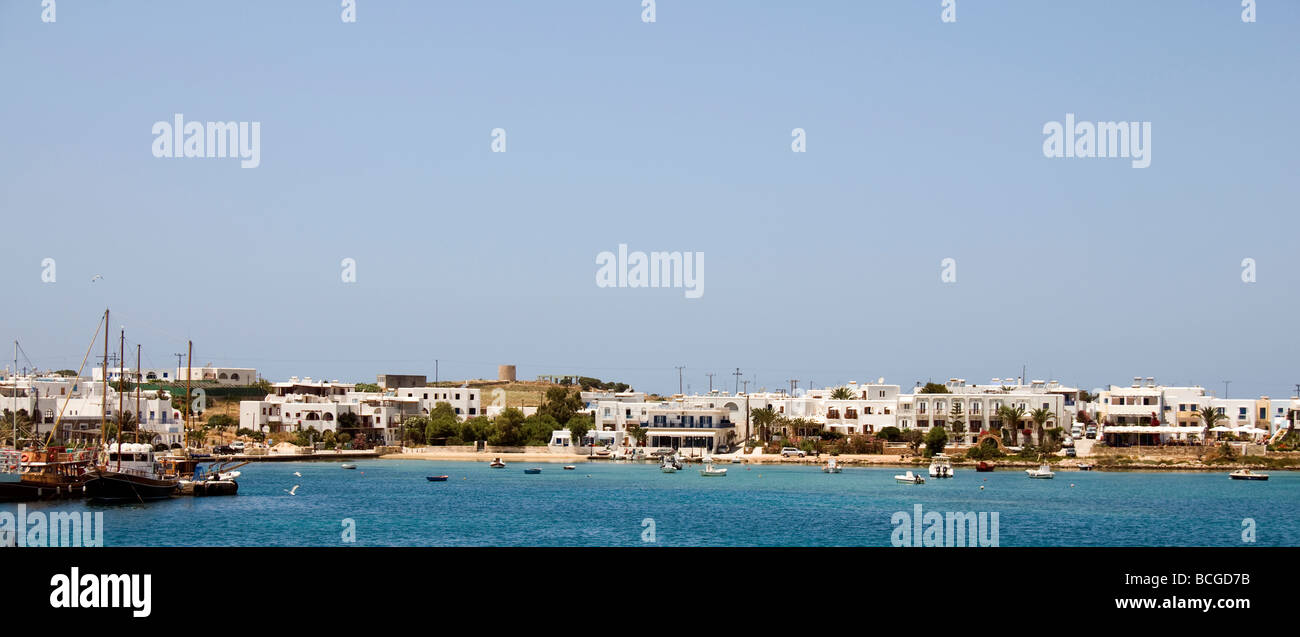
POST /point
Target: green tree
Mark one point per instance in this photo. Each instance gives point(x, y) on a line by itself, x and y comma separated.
point(560, 403)
point(222, 421)
point(1041, 417)
point(1011, 417)
point(507, 428)
point(913, 438)
point(890, 433)
point(413, 429)
point(934, 388)
point(476, 428)
point(1209, 416)
point(369, 387)
point(637, 433)
point(936, 440)
point(763, 419)
point(957, 419)
point(578, 428)
point(842, 393)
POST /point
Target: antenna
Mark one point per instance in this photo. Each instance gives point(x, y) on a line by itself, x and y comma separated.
point(710, 375)
point(679, 379)
point(737, 375)
point(1225, 387)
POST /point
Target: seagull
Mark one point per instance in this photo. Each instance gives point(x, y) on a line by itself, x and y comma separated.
point(298, 474)
point(96, 278)
point(291, 491)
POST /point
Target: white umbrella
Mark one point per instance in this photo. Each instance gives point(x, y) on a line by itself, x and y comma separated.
point(1221, 429)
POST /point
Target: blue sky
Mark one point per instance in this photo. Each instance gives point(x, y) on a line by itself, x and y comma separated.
point(924, 142)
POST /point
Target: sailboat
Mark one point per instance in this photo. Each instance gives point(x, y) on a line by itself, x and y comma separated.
point(43, 472)
point(129, 472)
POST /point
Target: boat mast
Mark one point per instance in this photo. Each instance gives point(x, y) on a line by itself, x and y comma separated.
point(103, 400)
point(121, 397)
point(14, 393)
point(189, 373)
point(138, 377)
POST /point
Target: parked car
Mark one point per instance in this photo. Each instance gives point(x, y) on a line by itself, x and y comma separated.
point(237, 446)
point(1070, 452)
point(786, 452)
point(1076, 431)
point(1092, 432)
point(222, 450)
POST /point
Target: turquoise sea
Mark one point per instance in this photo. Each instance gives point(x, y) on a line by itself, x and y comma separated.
point(389, 503)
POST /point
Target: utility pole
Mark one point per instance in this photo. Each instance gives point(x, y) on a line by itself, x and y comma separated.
point(679, 379)
point(435, 373)
point(746, 383)
point(794, 384)
point(737, 375)
point(179, 357)
point(710, 375)
point(1225, 388)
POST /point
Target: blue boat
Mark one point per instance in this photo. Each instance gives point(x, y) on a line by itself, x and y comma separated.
point(532, 471)
point(436, 478)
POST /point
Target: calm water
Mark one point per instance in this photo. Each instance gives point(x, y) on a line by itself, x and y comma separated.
point(603, 504)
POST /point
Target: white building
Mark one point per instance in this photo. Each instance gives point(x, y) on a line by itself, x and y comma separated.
point(232, 376)
point(978, 407)
point(77, 406)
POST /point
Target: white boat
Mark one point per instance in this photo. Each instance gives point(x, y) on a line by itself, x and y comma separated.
point(709, 471)
point(1043, 472)
point(497, 464)
point(909, 478)
point(668, 468)
point(832, 466)
point(1247, 474)
point(941, 467)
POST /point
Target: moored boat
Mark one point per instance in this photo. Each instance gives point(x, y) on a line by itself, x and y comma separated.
point(569, 467)
point(436, 478)
point(347, 466)
point(44, 474)
point(1085, 467)
point(533, 471)
point(940, 467)
point(497, 464)
point(131, 473)
point(1043, 472)
point(1247, 474)
point(832, 466)
point(710, 471)
point(984, 467)
point(909, 478)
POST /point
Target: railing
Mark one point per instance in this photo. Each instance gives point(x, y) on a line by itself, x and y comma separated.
point(10, 461)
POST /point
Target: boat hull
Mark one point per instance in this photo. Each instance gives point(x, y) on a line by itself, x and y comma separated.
point(216, 487)
point(112, 486)
point(1256, 477)
point(28, 491)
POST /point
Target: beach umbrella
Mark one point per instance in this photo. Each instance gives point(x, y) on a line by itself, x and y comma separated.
point(1221, 429)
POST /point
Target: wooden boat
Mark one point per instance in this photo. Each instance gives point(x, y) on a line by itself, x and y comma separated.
point(710, 471)
point(46, 474)
point(533, 471)
point(436, 478)
point(1247, 474)
point(497, 464)
point(131, 473)
point(983, 467)
point(909, 478)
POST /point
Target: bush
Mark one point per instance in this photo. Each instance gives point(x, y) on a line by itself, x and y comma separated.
point(890, 434)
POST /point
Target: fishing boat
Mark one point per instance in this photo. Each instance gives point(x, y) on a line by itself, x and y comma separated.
point(984, 467)
point(201, 476)
point(497, 464)
point(909, 478)
point(710, 471)
point(436, 478)
point(940, 467)
point(832, 466)
point(131, 473)
point(47, 474)
point(1043, 472)
point(533, 471)
point(1247, 474)
point(347, 466)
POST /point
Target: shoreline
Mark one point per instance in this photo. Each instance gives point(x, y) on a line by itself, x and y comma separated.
point(889, 461)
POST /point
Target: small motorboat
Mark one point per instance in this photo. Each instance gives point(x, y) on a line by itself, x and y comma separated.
point(348, 466)
point(983, 467)
point(1043, 472)
point(569, 467)
point(436, 478)
point(1247, 474)
point(909, 478)
point(668, 467)
point(497, 464)
point(533, 471)
point(1085, 467)
point(710, 471)
point(940, 467)
point(832, 466)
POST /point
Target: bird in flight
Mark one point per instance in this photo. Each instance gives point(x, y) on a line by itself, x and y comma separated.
point(292, 491)
point(96, 278)
point(296, 473)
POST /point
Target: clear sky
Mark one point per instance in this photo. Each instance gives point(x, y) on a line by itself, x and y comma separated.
point(924, 142)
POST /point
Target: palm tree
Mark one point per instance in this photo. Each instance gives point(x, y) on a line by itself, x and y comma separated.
point(1041, 417)
point(763, 419)
point(842, 393)
point(1011, 417)
point(1209, 416)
